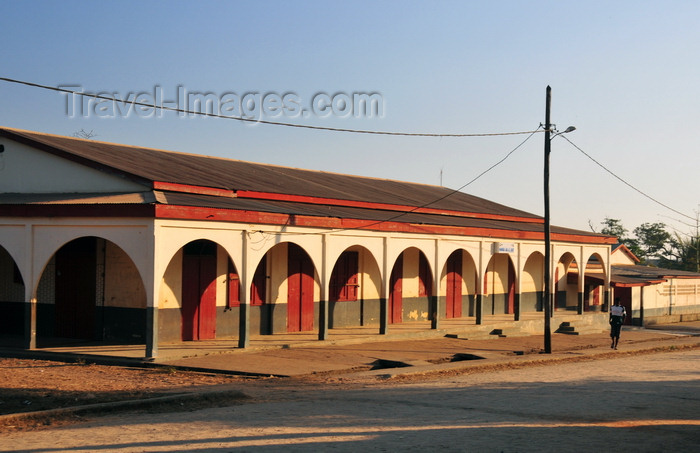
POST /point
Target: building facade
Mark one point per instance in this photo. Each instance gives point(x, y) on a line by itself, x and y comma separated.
point(112, 243)
point(653, 295)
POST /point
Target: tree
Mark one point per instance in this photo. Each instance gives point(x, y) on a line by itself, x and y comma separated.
point(682, 253)
point(652, 241)
point(614, 227)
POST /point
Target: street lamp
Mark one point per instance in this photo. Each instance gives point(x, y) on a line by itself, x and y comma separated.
point(547, 233)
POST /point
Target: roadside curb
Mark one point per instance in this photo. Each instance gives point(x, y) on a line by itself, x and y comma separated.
point(492, 361)
point(191, 399)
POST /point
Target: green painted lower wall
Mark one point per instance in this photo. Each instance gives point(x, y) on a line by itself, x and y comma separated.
point(667, 315)
point(128, 325)
point(227, 323)
point(12, 318)
point(416, 309)
point(354, 313)
point(495, 304)
point(115, 324)
point(468, 306)
point(124, 325)
point(531, 301)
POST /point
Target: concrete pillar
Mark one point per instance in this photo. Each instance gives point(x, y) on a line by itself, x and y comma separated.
point(434, 299)
point(151, 332)
point(479, 308)
point(30, 324)
point(581, 301)
point(384, 298)
point(246, 279)
point(29, 283)
point(323, 305)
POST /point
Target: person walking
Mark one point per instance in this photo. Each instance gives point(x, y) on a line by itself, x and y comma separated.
point(617, 318)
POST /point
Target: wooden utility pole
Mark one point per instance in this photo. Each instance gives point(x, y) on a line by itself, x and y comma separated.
point(547, 302)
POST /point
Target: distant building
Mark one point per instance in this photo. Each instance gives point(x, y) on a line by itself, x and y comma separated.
point(653, 295)
point(115, 243)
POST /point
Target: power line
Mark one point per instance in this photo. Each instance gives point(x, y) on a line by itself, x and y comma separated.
point(355, 131)
point(625, 182)
point(425, 205)
point(251, 120)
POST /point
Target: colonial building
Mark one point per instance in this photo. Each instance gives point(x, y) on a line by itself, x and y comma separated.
point(115, 243)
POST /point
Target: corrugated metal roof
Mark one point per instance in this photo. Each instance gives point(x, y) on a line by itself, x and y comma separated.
point(149, 165)
point(650, 273)
point(627, 275)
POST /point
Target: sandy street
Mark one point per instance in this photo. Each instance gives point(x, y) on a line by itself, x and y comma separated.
point(648, 403)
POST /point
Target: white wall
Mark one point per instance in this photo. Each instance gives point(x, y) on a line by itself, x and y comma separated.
point(28, 170)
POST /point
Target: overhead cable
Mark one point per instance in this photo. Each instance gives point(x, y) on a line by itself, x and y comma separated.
point(258, 121)
point(625, 182)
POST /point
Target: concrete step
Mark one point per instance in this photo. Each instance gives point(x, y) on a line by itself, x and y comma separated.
point(573, 328)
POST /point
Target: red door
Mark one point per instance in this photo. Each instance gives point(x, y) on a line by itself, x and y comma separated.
point(511, 288)
point(234, 287)
point(76, 273)
point(300, 291)
point(199, 294)
point(344, 280)
point(395, 293)
point(596, 296)
point(258, 287)
point(453, 296)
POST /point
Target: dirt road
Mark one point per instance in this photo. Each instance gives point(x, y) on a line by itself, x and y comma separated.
point(631, 403)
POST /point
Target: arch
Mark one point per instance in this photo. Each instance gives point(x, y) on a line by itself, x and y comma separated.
point(91, 289)
point(410, 287)
point(12, 295)
point(458, 286)
point(130, 239)
point(354, 289)
point(499, 286)
point(285, 291)
point(566, 275)
point(172, 240)
point(594, 283)
point(199, 294)
point(532, 284)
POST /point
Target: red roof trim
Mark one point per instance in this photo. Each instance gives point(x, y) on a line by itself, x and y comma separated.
point(632, 285)
point(624, 249)
point(201, 190)
point(230, 215)
point(383, 206)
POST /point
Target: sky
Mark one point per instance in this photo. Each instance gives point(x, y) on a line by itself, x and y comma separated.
point(626, 74)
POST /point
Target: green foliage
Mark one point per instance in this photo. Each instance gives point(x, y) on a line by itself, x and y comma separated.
point(613, 227)
point(653, 245)
point(682, 254)
point(652, 241)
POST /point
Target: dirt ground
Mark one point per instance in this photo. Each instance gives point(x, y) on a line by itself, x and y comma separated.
point(635, 403)
point(28, 385)
point(35, 385)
